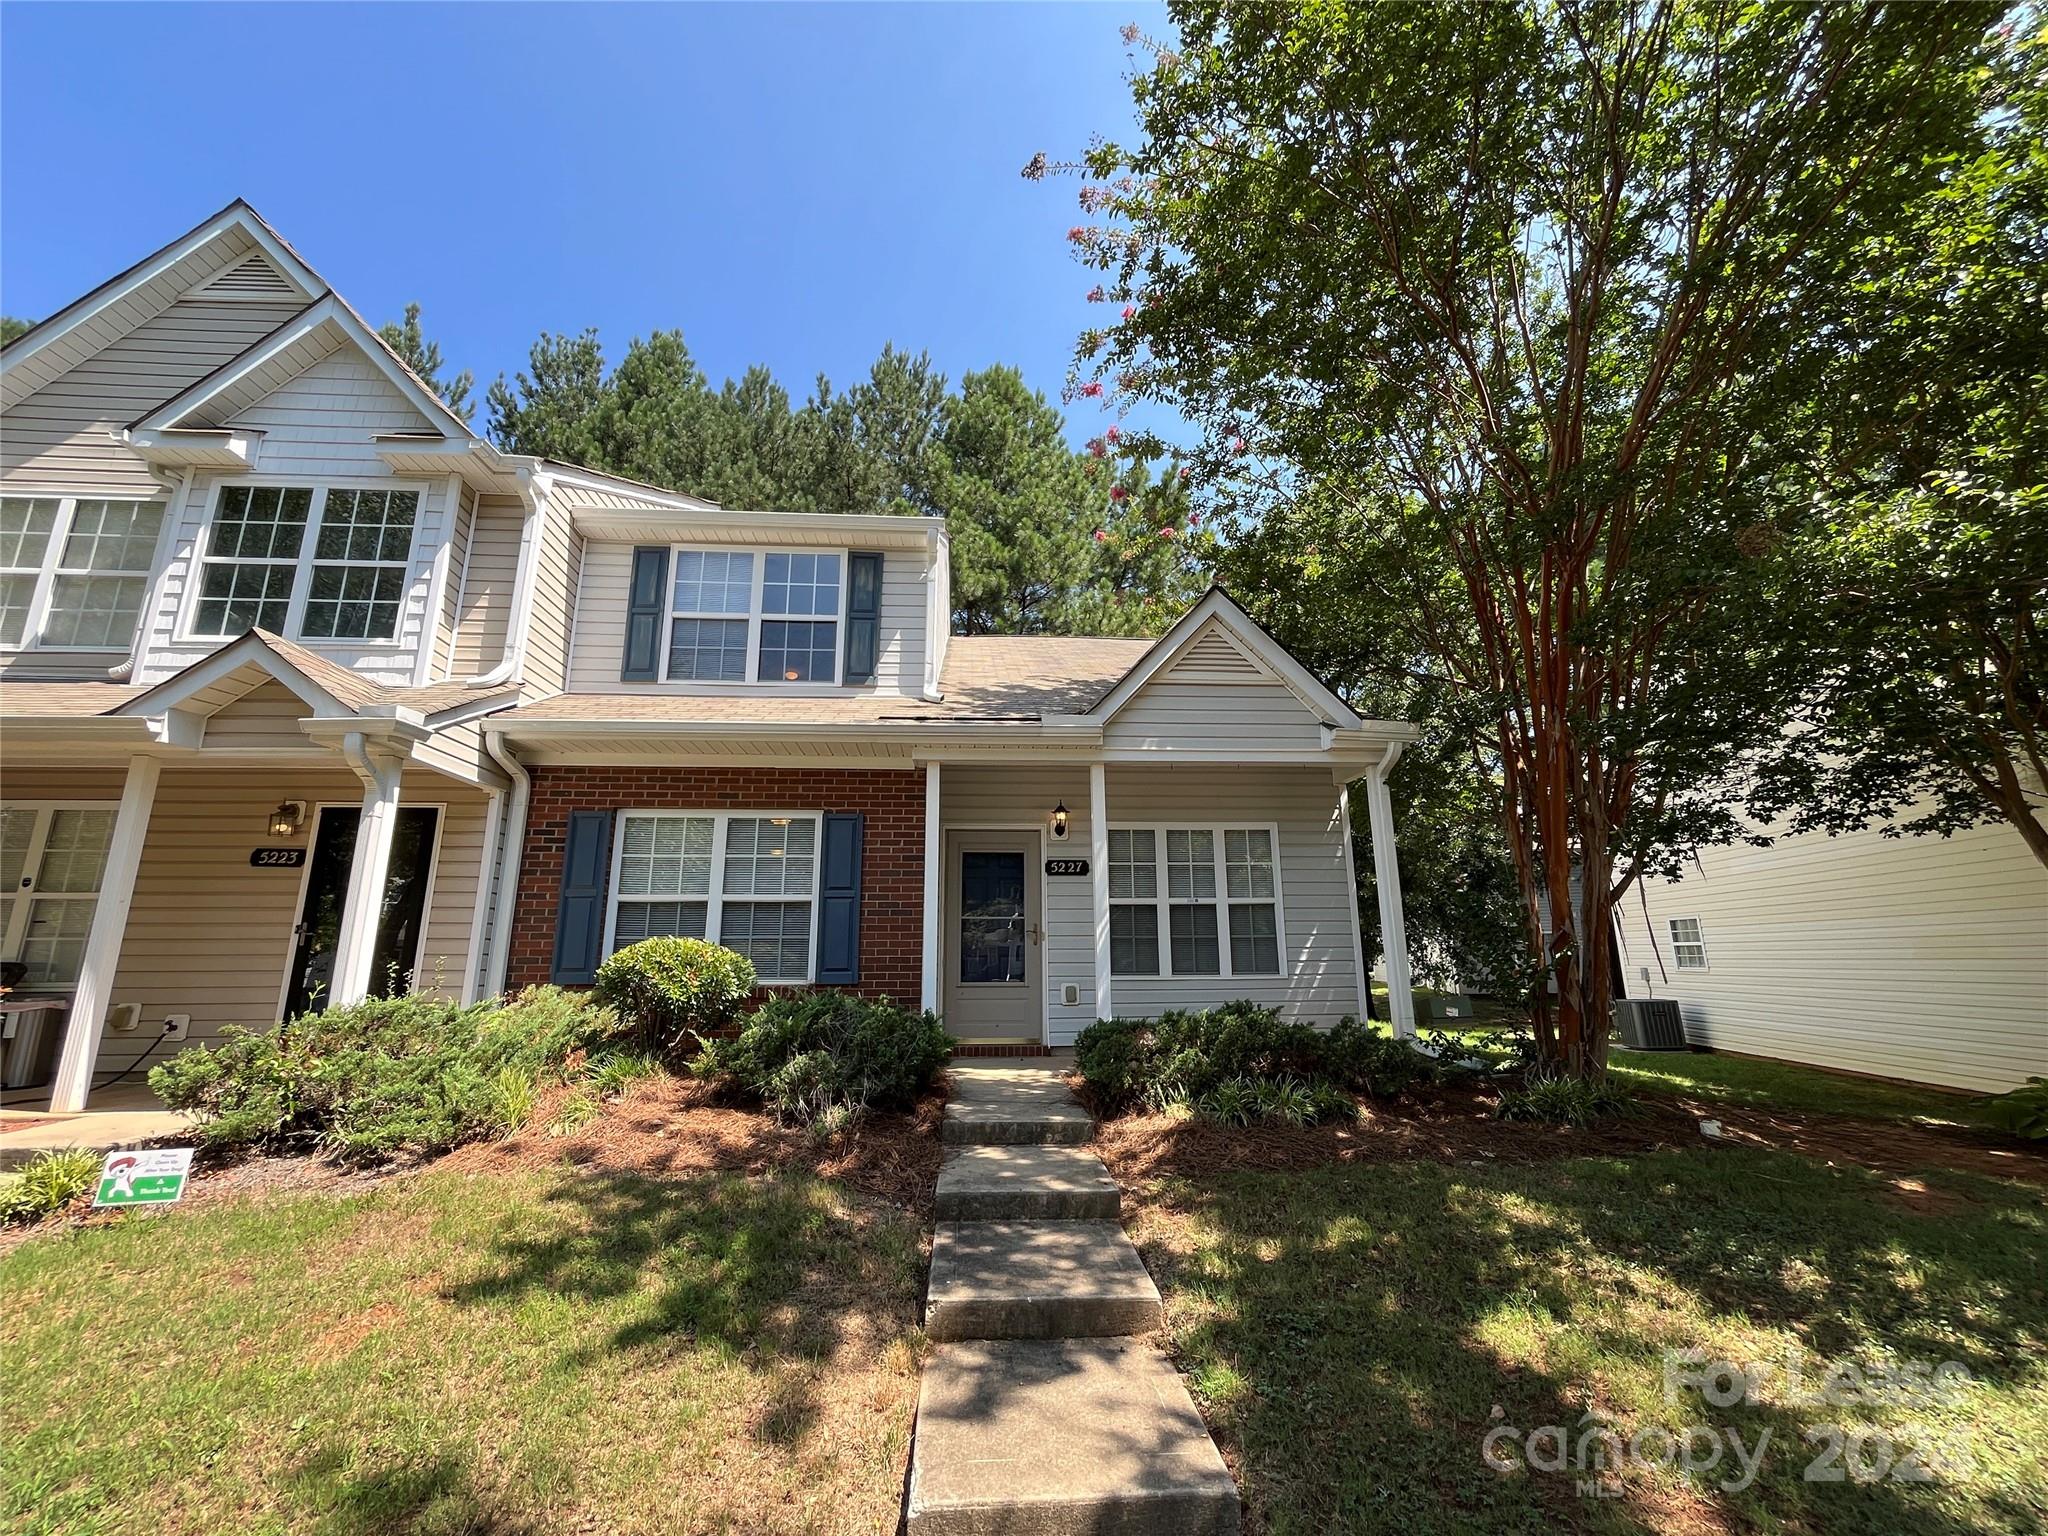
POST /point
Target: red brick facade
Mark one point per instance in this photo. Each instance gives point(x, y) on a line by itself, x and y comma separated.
point(892, 857)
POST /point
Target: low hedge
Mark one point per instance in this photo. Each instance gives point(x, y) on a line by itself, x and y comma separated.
point(410, 1075)
point(1241, 1062)
point(824, 1057)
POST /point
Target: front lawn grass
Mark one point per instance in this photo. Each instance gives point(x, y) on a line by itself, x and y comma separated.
point(504, 1351)
point(1354, 1331)
point(1757, 1084)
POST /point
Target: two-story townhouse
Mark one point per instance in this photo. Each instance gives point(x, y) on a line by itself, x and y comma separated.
point(309, 692)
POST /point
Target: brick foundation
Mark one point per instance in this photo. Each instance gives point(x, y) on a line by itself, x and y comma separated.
point(892, 858)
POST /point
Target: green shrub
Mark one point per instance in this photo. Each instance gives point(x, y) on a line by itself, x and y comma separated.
point(1576, 1101)
point(2024, 1111)
point(669, 989)
point(382, 1077)
point(611, 1073)
point(1187, 1057)
point(1275, 1100)
point(812, 1055)
point(49, 1182)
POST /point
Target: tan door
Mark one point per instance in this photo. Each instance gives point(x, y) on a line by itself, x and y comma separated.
point(993, 945)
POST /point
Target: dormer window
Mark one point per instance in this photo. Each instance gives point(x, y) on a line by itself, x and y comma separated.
point(748, 615)
point(252, 573)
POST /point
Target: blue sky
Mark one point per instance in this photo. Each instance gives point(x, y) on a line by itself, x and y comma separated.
point(789, 184)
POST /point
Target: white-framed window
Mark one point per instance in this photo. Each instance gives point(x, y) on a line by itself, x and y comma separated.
point(255, 570)
point(1688, 944)
point(747, 880)
point(74, 570)
point(755, 615)
point(53, 856)
point(1195, 901)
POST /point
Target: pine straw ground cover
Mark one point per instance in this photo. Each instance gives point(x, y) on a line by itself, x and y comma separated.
point(677, 1317)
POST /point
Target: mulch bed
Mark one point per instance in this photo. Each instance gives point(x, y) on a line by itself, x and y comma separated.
point(672, 1127)
point(1456, 1124)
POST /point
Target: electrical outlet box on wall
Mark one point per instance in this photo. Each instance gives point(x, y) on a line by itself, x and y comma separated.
point(177, 1025)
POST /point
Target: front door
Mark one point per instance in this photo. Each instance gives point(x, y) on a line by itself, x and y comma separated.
point(994, 990)
point(405, 905)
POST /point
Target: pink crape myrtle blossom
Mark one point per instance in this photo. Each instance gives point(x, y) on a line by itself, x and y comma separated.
point(1096, 295)
point(1117, 493)
point(1092, 390)
point(1112, 436)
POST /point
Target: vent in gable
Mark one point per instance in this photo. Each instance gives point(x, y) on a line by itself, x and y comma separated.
point(253, 277)
point(1212, 657)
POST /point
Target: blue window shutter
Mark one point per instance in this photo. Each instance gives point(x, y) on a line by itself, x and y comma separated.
point(863, 615)
point(839, 902)
point(646, 602)
point(579, 917)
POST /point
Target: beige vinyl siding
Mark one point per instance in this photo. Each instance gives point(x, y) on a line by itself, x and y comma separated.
point(64, 436)
point(1319, 980)
point(265, 719)
point(210, 936)
point(601, 625)
point(971, 795)
point(318, 430)
point(1918, 958)
point(462, 532)
point(558, 571)
point(490, 569)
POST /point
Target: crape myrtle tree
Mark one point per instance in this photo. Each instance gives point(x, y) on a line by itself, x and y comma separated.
point(1513, 289)
point(1924, 578)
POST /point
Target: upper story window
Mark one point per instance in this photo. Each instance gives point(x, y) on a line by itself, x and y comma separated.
point(74, 569)
point(253, 574)
point(755, 615)
point(1688, 944)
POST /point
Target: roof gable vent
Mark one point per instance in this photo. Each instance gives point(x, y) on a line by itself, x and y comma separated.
point(1213, 657)
point(253, 277)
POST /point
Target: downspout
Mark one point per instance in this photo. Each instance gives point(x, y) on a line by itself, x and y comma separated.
point(938, 617)
point(513, 835)
point(533, 492)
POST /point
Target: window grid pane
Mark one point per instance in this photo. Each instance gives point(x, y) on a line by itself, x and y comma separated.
point(666, 856)
point(800, 584)
point(713, 582)
point(1254, 939)
point(17, 593)
point(798, 652)
point(766, 857)
point(775, 935)
point(117, 536)
point(371, 531)
point(25, 526)
point(659, 919)
point(1193, 940)
point(1191, 866)
point(1133, 867)
point(708, 650)
point(251, 559)
point(1248, 863)
point(1134, 941)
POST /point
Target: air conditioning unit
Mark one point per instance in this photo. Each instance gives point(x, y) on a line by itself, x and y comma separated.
point(1649, 1024)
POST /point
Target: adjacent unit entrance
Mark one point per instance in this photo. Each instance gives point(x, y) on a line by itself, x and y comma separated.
point(994, 944)
point(400, 930)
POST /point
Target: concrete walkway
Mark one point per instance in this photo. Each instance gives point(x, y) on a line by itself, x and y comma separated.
point(123, 1115)
point(1041, 1412)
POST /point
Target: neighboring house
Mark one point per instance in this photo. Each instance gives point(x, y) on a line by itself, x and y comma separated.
point(1922, 958)
point(308, 692)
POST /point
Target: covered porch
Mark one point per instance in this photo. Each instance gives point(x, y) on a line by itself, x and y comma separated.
point(222, 851)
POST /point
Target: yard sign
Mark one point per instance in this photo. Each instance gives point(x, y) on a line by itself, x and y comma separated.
point(144, 1178)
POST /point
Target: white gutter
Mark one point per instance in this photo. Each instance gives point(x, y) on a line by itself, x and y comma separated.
point(513, 840)
point(533, 491)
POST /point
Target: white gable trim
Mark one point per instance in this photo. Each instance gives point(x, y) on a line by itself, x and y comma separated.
point(327, 311)
point(237, 215)
point(1218, 608)
point(176, 693)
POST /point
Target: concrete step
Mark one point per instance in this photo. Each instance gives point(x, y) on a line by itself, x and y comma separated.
point(1012, 1106)
point(1055, 1437)
point(1037, 1280)
point(1038, 1183)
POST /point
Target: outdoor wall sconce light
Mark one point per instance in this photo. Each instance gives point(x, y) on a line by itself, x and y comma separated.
point(289, 816)
point(1059, 822)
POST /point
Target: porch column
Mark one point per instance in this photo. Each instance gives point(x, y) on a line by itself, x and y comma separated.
point(355, 945)
point(1386, 868)
point(88, 1016)
point(1098, 872)
point(934, 884)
